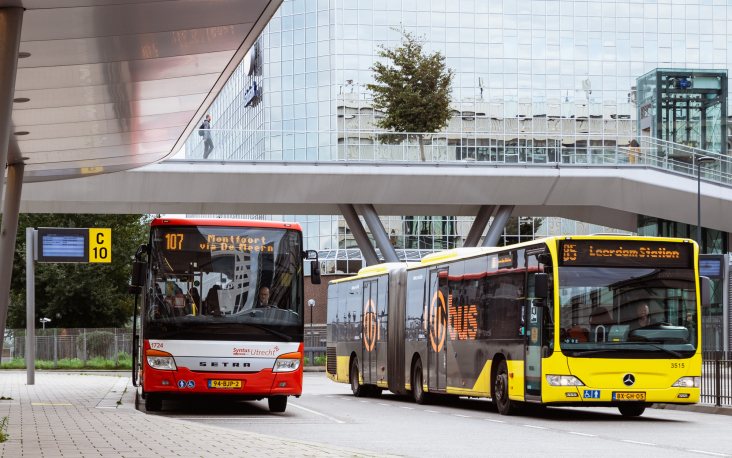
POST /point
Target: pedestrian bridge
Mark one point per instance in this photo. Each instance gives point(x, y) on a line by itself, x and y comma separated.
point(606, 194)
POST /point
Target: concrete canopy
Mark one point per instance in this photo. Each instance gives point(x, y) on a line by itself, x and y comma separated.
point(118, 84)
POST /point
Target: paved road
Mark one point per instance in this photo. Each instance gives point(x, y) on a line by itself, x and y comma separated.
point(327, 412)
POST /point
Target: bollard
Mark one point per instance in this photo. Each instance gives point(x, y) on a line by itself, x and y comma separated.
point(55, 350)
point(115, 348)
point(718, 381)
point(84, 355)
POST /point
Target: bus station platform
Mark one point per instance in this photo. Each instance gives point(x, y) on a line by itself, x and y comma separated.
point(94, 415)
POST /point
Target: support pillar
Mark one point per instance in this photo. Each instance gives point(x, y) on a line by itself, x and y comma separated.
point(11, 21)
point(499, 223)
point(30, 306)
point(8, 233)
point(359, 233)
point(378, 232)
point(481, 221)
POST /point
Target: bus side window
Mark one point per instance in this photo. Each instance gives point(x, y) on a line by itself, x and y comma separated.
point(382, 307)
point(415, 305)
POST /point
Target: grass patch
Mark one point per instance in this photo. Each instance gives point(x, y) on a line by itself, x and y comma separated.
point(319, 361)
point(4, 429)
point(124, 361)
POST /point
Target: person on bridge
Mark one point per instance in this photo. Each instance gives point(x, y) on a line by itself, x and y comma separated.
point(205, 132)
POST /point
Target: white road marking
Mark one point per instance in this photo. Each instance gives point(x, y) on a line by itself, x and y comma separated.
point(581, 434)
point(317, 413)
point(456, 415)
point(431, 411)
point(536, 427)
point(364, 401)
point(636, 442)
point(273, 417)
point(381, 404)
point(410, 408)
point(708, 453)
point(496, 421)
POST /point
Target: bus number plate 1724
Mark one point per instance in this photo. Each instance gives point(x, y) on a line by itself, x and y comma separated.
point(224, 384)
point(629, 396)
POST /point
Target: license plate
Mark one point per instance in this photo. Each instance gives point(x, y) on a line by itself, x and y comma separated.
point(230, 384)
point(629, 396)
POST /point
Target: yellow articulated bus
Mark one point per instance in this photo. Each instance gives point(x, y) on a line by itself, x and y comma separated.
point(564, 321)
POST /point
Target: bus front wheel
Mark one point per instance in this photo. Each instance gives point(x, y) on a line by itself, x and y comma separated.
point(500, 390)
point(631, 410)
point(277, 404)
point(359, 390)
point(153, 403)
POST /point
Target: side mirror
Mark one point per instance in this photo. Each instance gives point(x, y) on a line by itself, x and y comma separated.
point(310, 255)
point(706, 291)
point(138, 273)
point(541, 286)
point(315, 272)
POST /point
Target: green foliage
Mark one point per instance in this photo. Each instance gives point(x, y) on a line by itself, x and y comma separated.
point(319, 361)
point(124, 361)
point(4, 429)
point(86, 295)
point(97, 343)
point(412, 87)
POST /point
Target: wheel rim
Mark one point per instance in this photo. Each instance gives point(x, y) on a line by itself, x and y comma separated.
point(354, 378)
point(418, 380)
point(500, 387)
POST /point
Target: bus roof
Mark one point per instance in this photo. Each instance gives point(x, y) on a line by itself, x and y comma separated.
point(223, 222)
point(456, 254)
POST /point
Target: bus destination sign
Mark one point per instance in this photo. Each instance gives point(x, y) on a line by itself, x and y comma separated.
point(625, 253)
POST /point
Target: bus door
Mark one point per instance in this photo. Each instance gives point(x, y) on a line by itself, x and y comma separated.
point(437, 310)
point(532, 365)
point(370, 331)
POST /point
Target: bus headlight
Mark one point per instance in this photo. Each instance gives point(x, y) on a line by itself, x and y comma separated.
point(160, 360)
point(288, 362)
point(688, 382)
point(563, 380)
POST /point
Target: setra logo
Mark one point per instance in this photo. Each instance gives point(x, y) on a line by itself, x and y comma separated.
point(437, 315)
point(370, 326)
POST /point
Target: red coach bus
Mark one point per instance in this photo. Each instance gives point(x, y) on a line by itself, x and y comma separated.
point(221, 311)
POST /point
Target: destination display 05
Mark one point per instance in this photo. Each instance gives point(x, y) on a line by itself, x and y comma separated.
point(625, 253)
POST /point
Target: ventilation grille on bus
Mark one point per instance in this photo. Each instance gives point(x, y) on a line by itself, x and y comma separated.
point(331, 360)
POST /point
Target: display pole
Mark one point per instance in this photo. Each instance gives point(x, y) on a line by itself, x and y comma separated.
point(30, 307)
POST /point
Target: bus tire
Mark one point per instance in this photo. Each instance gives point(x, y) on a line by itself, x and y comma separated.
point(631, 410)
point(500, 388)
point(153, 403)
point(360, 391)
point(420, 395)
point(375, 392)
point(277, 404)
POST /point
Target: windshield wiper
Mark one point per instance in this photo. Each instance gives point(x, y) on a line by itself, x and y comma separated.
point(272, 331)
point(652, 344)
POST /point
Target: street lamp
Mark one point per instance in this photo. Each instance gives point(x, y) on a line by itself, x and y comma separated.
point(44, 321)
point(699, 162)
point(311, 303)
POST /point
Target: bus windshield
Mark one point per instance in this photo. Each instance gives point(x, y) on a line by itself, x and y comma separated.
point(224, 283)
point(627, 312)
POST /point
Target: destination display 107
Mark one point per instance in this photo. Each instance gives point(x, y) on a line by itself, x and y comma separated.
point(625, 253)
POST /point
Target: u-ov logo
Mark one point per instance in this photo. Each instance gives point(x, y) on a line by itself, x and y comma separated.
point(370, 326)
point(438, 321)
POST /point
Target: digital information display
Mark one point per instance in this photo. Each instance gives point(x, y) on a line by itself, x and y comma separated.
point(712, 266)
point(625, 253)
point(56, 244)
point(193, 240)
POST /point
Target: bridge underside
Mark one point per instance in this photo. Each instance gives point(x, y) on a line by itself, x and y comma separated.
point(609, 196)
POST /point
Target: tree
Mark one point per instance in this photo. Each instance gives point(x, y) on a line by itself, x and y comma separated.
point(414, 89)
point(86, 295)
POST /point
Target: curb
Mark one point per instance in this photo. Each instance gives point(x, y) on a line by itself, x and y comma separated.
point(699, 408)
point(313, 368)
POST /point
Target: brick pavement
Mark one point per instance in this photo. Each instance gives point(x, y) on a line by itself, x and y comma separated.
point(92, 427)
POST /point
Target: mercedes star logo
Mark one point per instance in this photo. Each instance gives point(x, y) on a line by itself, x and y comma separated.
point(629, 380)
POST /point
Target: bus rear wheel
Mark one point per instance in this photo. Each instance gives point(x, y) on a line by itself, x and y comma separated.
point(500, 391)
point(153, 403)
point(631, 410)
point(358, 390)
point(277, 404)
point(420, 395)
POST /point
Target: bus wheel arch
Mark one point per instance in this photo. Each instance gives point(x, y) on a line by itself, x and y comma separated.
point(497, 358)
point(359, 390)
point(415, 357)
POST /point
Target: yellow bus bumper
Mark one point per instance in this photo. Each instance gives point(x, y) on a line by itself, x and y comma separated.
point(587, 396)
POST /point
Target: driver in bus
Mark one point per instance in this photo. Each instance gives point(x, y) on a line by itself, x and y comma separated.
point(644, 317)
point(264, 299)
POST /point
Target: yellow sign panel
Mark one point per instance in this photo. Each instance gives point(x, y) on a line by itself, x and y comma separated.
point(100, 245)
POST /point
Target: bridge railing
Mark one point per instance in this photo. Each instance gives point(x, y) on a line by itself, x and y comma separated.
point(457, 147)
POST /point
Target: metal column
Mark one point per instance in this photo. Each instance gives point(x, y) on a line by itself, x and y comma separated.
point(499, 223)
point(725, 305)
point(11, 21)
point(378, 232)
point(30, 305)
point(8, 233)
point(359, 233)
point(481, 221)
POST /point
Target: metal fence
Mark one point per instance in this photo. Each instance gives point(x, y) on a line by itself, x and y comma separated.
point(712, 333)
point(72, 343)
point(717, 378)
point(315, 338)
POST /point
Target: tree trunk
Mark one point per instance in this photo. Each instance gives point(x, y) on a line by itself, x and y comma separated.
point(421, 148)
